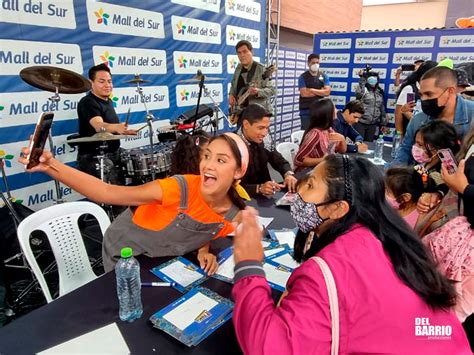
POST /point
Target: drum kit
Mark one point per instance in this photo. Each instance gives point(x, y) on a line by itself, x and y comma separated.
point(143, 163)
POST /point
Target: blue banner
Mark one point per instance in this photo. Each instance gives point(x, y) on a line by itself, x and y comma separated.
point(163, 41)
point(343, 55)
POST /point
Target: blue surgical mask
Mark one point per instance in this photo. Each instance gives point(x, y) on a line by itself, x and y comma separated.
point(306, 215)
point(372, 80)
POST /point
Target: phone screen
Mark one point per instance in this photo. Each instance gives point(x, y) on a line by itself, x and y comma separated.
point(410, 97)
point(408, 67)
point(448, 160)
point(39, 138)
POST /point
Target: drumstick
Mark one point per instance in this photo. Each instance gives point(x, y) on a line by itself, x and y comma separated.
point(146, 125)
point(128, 116)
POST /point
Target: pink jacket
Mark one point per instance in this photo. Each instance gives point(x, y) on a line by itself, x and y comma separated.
point(378, 313)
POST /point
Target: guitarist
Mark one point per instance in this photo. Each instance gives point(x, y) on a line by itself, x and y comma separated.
point(313, 85)
point(249, 71)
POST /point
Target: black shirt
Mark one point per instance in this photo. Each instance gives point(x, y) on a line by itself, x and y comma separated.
point(468, 195)
point(91, 106)
point(257, 171)
point(242, 81)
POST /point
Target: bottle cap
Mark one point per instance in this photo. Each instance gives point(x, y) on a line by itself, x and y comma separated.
point(126, 253)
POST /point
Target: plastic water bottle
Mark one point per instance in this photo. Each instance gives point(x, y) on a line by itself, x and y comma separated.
point(129, 286)
point(395, 143)
point(378, 155)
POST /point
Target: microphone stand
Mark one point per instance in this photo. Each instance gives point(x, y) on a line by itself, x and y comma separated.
point(216, 109)
point(149, 120)
point(201, 78)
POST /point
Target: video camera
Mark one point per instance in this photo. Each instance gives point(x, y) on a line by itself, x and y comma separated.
point(368, 71)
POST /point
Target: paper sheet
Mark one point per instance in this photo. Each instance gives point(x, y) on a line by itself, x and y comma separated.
point(105, 340)
point(286, 237)
point(273, 251)
point(286, 260)
point(179, 273)
point(275, 275)
point(226, 269)
point(185, 314)
point(265, 221)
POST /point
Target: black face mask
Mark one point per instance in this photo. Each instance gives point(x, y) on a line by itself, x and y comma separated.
point(431, 107)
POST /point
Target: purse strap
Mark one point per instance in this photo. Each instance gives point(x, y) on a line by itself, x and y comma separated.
point(333, 303)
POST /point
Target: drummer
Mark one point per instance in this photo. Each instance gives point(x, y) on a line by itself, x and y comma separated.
point(97, 114)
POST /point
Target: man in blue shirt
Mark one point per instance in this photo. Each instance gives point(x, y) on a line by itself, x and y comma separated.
point(313, 85)
point(438, 88)
point(343, 125)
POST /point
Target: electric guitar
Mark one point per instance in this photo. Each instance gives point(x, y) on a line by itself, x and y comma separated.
point(242, 96)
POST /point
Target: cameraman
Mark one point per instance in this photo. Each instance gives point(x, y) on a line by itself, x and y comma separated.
point(372, 97)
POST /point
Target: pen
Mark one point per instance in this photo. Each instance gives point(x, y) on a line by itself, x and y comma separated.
point(158, 284)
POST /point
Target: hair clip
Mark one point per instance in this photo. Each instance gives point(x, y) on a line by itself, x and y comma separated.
point(197, 140)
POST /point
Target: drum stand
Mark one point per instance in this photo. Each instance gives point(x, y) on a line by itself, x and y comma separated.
point(149, 120)
point(55, 101)
point(216, 109)
point(103, 173)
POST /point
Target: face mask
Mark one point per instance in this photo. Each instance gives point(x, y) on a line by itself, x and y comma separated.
point(372, 80)
point(306, 215)
point(314, 68)
point(431, 107)
point(393, 202)
point(419, 155)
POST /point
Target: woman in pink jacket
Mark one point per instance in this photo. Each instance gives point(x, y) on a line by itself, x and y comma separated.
point(391, 298)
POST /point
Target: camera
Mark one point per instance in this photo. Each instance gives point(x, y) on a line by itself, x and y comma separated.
point(368, 68)
point(367, 71)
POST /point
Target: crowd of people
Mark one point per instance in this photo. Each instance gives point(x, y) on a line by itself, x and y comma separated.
point(399, 243)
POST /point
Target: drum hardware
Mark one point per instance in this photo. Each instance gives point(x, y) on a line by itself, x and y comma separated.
point(100, 137)
point(58, 81)
point(149, 117)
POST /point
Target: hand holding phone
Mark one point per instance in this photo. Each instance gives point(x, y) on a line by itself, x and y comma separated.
point(447, 160)
point(410, 97)
point(38, 141)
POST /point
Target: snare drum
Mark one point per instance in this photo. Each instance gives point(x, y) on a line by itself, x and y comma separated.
point(138, 162)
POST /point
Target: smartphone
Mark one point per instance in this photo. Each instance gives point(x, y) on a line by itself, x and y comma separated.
point(408, 67)
point(39, 138)
point(410, 97)
point(332, 147)
point(447, 159)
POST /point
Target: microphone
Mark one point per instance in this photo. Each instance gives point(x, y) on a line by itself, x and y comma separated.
point(200, 76)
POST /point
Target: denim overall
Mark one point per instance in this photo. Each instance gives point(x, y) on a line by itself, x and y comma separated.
point(183, 235)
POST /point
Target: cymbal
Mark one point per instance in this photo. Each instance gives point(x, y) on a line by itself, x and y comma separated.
point(196, 80)
point(137, 80)
point(100, 137)
point(50, 78)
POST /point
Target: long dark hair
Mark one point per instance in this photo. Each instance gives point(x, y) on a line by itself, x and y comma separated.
point(321, 115)
point(439, 134)
point(186, 154)
point(232, 193)
point(411, 261)
point(404, 179)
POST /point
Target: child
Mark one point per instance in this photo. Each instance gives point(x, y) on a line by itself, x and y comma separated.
point(404, 186)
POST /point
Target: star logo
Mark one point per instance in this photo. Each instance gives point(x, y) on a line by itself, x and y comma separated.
point(114, 100)
point(184, 95)
point(181, 27)
point(360, 43)
point(183, 62)
point(231, 4)
point(401, 42)
point(102, 17)
point(107, 59)
point(233, 63)
point(231, 35)
point(1, 109)
point(7, 158)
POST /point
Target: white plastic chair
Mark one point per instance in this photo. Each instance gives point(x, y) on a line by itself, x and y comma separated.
point(297, 137)
point(60, 224)
point(288, 150)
